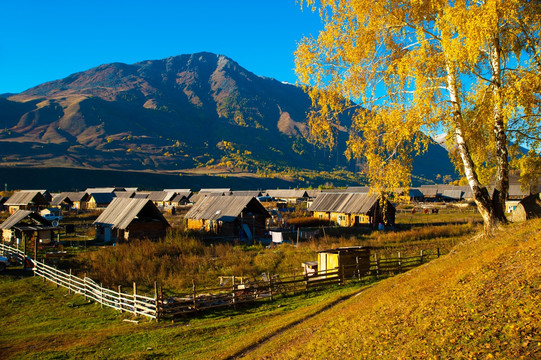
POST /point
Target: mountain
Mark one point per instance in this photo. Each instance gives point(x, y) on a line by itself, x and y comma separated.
point(185, 112)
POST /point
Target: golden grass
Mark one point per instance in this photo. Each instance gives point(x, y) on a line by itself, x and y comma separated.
point(480, 301)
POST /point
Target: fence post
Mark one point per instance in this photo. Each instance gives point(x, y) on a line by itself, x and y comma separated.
point(120, 297)
point(134, 298)
point(84, 285)
point(194, 295)
point(56, 276)
point(43, 271)
point(156, 301)
point(69, 283)
point(399, 262)
point(101, 295)
point(422, 256)
point(438, 252)
point(377, 264)
point(294, 282)
point(270, 284)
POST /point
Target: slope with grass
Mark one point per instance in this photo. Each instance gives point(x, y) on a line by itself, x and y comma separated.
point(480, 301)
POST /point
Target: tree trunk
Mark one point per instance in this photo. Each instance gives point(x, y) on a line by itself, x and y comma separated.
point(480, 193)
point(501, 185)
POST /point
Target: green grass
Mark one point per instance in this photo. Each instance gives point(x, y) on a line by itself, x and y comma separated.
point(43, 322)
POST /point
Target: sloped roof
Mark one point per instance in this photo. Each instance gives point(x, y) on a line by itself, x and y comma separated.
point(141, 195)
point(20, 215)
point(158, 196)
point(453, 194)
point(124, 194)
point(26, 198)
point(225, 208)
point(287, 193)
point(347, 203)
point(60, 198)
point(415, 193)
point(78, 196)
point(122, 211)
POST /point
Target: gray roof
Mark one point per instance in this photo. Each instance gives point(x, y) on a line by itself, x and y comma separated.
point(60, 198)
point(20, 215)
point(347, 203)
point(159, 196)
point(141, 195)
point(78, 196)
point(224, 208)
point(453, 194)
point(26, 198)
point(122, 211)
point(288, 193)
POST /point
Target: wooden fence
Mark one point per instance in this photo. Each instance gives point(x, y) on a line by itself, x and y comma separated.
point(269, 286)
point(133, 303)
point(224, 296)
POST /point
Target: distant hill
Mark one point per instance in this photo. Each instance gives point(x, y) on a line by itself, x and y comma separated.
point(184, 112)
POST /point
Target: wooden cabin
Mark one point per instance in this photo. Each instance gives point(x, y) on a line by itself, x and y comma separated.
point(126, 219)
point(353, 209)
point(27, 226)
point(242, 216)
point(32, 200)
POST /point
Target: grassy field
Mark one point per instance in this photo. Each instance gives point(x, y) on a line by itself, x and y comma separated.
point(42, 322)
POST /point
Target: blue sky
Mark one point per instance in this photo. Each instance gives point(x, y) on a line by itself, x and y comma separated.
point(48, 40)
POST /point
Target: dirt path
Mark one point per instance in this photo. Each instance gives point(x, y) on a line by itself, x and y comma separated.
point(247, 350)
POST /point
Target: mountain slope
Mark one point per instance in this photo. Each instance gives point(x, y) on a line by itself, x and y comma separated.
point(479, 301)
point(177, 113)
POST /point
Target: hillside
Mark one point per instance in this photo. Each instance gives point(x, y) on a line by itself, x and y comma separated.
point(189, 111)
point(480, 301)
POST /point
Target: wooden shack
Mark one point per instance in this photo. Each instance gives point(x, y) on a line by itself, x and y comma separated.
point(32, 200)
point(352, 209)
point(126, 219)
point(25, 226)
point(353, 261)
point(241, 216)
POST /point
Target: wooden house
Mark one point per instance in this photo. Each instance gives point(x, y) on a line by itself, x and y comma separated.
point(126, 219)
point(80, 200)
point(32, 200)
point(352, 209)
point(242, 216)
point(349, 261)
point(28, 227)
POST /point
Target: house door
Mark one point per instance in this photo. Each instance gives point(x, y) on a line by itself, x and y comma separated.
point(107, 234)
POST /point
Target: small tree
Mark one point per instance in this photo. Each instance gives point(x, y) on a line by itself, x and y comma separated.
point(410, 67)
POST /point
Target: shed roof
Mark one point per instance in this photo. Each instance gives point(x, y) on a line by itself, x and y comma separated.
point(122, 211)
point(60, 198)
point(347, 203)
point(254, 193)
point(20, 215)
point(224, 208)
point(78, 196)
point(26, 198)
point(452, 194)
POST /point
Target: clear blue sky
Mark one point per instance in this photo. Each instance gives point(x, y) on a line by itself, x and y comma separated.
point(48, 40)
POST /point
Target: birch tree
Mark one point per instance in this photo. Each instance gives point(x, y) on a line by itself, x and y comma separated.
point(411, 67)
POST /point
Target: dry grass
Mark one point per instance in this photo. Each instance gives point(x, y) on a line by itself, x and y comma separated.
point(481, 301)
